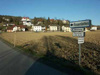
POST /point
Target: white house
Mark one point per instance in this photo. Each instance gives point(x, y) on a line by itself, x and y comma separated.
point(86, 29)
point(93, 28)
point(14, 28)
point(36, 28)
point(6, 19)
point(53, 28)
point(64, 21)
point(66, 29)
point(26, 21)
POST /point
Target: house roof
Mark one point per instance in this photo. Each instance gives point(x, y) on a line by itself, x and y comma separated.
point(9, 28)
point(22, 26)
point(26, 17)
point(51, 19)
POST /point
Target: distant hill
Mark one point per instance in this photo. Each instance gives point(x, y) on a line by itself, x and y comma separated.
point(6, 19)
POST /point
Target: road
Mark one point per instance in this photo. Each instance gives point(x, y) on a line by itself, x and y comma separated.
point(13, 62)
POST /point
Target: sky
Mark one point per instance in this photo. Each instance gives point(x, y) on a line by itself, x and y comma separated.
point(72, 10)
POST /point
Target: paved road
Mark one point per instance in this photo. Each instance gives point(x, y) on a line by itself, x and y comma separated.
point(13, 62)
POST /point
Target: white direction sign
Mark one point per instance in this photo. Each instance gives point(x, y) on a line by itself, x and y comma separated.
point(79, 34)
point(78, 29)
point(80, 40)
point(81, 23)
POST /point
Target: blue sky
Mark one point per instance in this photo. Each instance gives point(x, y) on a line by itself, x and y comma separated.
point(72, 10)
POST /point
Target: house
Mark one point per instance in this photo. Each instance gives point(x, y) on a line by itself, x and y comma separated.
point(87, 29)
point(52, 28)
point(52, 20)
point(26, 21)
point(6, 19)
point(40, 21)
point(16, 28)
point(37, 28)
point(65, 21)
point(93, 28)
point(11, 28)
point(21, 28)
point(66, 29)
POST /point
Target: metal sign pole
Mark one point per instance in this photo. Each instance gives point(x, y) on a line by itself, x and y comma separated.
point(79, 54)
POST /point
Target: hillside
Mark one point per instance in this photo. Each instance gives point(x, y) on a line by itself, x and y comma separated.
point(5, 19)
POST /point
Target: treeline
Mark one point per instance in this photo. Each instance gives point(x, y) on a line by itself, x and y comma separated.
point(48, 21)
point(6, 19)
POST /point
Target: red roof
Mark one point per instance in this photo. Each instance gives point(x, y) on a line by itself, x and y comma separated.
point(26, 17)
point(51, 19)
point(9, 28)
point(21, 26)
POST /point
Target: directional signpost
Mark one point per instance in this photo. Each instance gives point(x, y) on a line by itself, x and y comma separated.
point(79, 34)
point(82, 23)
point(78, 29)
point(80, 40)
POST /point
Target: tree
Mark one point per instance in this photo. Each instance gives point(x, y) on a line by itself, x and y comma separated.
point(35, 21)
point(48, 21)
point(10, 20)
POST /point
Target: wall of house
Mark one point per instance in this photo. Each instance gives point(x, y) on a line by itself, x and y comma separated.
point(14, 29)
point(9, 30)
point(66, 29)
point(53, 28)
point(26, 21)
point(23, 29)
point(93, 28)
point(37, 28)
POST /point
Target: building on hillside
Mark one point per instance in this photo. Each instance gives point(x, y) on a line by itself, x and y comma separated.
point(65, 21)
point(6, 19)
point(37, 28)
point(66, 29)
point(87, 29)
point(21, 28)
point(52, 20)
point(52, 28)
point(93, 28)
point(26, 21)
point(12, 29)
point(16, 28)
point(40, 21)
point(43, 28)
